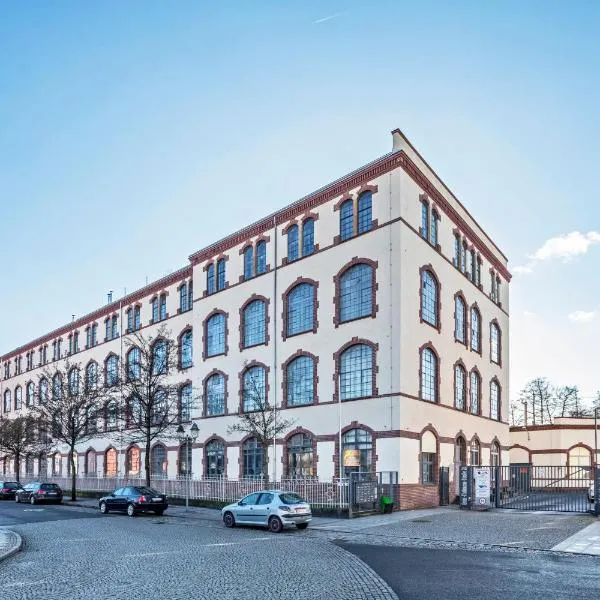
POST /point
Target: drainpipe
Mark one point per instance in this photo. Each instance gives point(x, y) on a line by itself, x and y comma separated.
point(275, 391)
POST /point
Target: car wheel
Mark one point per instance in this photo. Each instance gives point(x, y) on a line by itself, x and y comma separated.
point(32, 500)
point(130, 510)
point(229, 520)
point(159, 512)
point(103, 508)
point(302, 525)
point(275, 525)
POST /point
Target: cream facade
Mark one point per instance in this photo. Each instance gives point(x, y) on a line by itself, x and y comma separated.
point(392, 299)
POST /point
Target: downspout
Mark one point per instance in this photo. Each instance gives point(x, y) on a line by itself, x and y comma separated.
point(275, 391)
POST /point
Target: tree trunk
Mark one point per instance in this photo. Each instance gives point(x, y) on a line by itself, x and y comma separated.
point(18, 466)
point(147, 461)
point(265, 467)
point(73, 476)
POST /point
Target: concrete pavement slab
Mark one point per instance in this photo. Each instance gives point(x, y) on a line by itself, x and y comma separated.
point(586, 541)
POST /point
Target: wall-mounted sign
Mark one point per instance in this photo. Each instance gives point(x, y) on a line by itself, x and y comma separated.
point(481, 477)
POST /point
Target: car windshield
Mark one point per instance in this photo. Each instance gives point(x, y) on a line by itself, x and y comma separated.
point(290, 498)
point(11, 486)
point(49, 486)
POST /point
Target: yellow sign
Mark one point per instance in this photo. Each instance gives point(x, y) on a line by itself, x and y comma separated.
point(351, 458)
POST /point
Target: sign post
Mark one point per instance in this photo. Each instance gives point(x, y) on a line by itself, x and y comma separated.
point(481, 477)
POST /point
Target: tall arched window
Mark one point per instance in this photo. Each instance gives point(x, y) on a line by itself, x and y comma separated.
point(215, 335)
point(365, 202)
point(460, 451)
point(133, 461)
point(18, 397)
point(163, 307)
point(254, 317)
point(254, 391)
point(475, 393)
point(7, 401)
point(346, 220)
point(159, 407)
point(214, 393)
point(495, 343)
point(460, 388)
point(580, 461)
point(91, 375)
point(221, 274)
point(357, 451)
point(292, 243)
point(159, 357)
point(249, 262)
point(185, 350)
point(252, 453)
point(460, 323)
point(494, 400)
point(300, 309)
point(356, 372)
point(356, 292)
point(155, 310)
point(134, 411)
point(300, 381)
point(215, 458)
point(74, 381)
point(90, 420)
point(89, 463)
point(137, 317)
point(110, 463)
point(475, 453)
point(185, 403)
point(30, 394)
point(184, 460)
point(134, 367)
point(495, 459)
point(261, 257)
point(43, 391)
point(112, 415)
point(300, 462)
point(57, 386)
point(475, 330)
point(429, 375)
point(429, 458)
point(158, 461)
point(308, 237)
point(429, 298)
point(183, 298)
point(111, 376)
point(210, 279)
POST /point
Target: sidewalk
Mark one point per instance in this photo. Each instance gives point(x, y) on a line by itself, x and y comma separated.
point(586, 541)
point(10, 543)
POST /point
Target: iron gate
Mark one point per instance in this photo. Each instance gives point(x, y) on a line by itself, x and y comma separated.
point(363, 492)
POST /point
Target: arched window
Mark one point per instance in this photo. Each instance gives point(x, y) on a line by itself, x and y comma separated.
point(580, 462)
point(475, 453)
point(356, 372)
point(133, 461)
point(365, 202)
point(137, 318)
point(261, 257)
point(475, 330)
point(110, 463)
point(112, 415)
point(57, 386)
point(221, 274)
point(429, 375)
point(300, 381)
point(308, 237)
point(255, 324)
point(18, 397)
point(30, 394)
point(460, 388)
point(215, 335)
point(134, 367)
point(185, 350)
point(134, 411)
point(300, 309)
point(292, 243)
point(185, 403)
point(111, 376)
point(89, 463)
point(495, 343)
point(74, 381)
point(494, 400)
point(346, 220)
point(249, 262)
point(357, 451)
point(91, 375)
point(356, 293)
point(159, 407)
point(183, 298)
point(428, 458)
point(254, 394)
point(435, 220)
point(159, 358)
point(460, 323)
point(43, 391)
point(495, 460)
point(252, 453)
point(90, 420)
point(215, 395)
point(163, 307)
point(460, 451)
point(184, 460)
point(190, 295)
point(300, 456)
point(210, 279)
point(215, 458)
point(129, 314)
point(475, 393)
point(7, 401)
point(429, 298)
point(155, 310)
point(158, 461)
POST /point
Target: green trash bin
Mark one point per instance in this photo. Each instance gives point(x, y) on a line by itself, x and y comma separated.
point(386, 504)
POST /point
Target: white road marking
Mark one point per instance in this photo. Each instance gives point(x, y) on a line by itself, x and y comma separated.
point(511, 543)
point(140, 554)
point(235, 543)
point(34, 509)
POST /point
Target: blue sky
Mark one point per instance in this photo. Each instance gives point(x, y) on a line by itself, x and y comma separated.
point(133, 134)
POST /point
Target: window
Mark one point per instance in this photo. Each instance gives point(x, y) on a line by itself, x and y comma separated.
point(478, 271)
point(300, 381)
point(91, 376)
point(18, 397)
point(249, 262)
point(356, 292)
point(55, 347)
point(190, 295)
point(159, 358)
point(107, 329)
point(221, 274)
point(29, 394)
point(75, 342)
point(254, 390)
point(473, 267)
point(163, 307)
point(184, 459)
point(434, 237)
point(112, 370)
point(292, 243)
point(57, 386)
point(129, 314)
point(215, 395)
point(346, 220)
point(428, 458)
point(137, 318)
point(253, 459)
point(457, 248)
point(357, 451)
point(133, 461)
point(429, 298)
point(494, 400)
point(460, 322)
point(215, 458)
point(300, 309)
point(134, 412)
point(210, 279)
point(112, 415)
point(356, 372)
point(43, 391)
point(429, 375)
point(463, 257)
point(185, 403)
point(475, 393)
point(183, 298)
point(159, 407)
point(215, 335)
point(460, 391)
point(495, 343)
point(74, 381)
point(70, 348)
point(495, 455)
point(475, 453)
point(308, 237)
point(497, 301)
point(300, 456)
point(255, 326)
point(158, 461)
point(7, 401)
point(365, 204)
point(155, 310)
point(134, 367)
point(90, 420)
point(185, 350)
point(261, 257)
point(425, 219)
point(475, 330)
point(89, 463)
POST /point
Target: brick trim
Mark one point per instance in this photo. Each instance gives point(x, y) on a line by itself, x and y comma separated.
point(374, 368)
point(242, 321)
point(284, 378)
point(374, 287)
point(285, 301)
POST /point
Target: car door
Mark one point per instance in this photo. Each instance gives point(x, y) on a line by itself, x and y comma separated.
point(116, 500)
point(245, 509)
point(262, 510)
point(26, 492)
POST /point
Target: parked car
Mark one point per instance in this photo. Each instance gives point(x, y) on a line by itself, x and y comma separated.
point(39, 492)
point(8, 489)
point(271, 508)
point(590, 492)
point(134, 499)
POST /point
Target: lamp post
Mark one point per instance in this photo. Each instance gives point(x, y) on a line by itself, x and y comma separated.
point(188, 438)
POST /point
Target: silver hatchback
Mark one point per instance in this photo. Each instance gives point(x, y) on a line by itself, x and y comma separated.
point(270, 508)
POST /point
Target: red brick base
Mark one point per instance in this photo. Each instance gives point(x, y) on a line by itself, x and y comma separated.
point(407, 496)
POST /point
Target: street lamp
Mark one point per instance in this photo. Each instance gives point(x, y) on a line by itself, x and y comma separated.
point(188, 438)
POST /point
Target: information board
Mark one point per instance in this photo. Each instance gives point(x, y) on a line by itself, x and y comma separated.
point(481, 478)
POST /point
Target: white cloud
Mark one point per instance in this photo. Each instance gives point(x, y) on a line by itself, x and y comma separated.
point(523, 270)
point(581, 316)
point(528, 314)
point(322, 20)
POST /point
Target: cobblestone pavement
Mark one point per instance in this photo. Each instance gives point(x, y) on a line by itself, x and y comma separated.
point(121, 557)
point(10, 542)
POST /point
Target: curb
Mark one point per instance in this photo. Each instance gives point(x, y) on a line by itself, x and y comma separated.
point(16, 546)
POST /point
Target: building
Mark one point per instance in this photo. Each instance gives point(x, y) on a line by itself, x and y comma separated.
point(379, 290)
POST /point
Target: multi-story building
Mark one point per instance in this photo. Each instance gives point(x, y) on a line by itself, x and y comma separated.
point(373, 311)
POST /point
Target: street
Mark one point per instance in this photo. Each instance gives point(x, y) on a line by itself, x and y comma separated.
point(12, 513)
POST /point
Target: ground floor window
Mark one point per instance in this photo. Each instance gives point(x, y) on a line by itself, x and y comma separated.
point(110, 463)
point(357, 451)
point(300, 456)
point(90, 463)
point(132, 464)
point(215, 458)
point(253, 458)
point(158, 461)
point(185, 459)
point(427, 467)
point(475, 453)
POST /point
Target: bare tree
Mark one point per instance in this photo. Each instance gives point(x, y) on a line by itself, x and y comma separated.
point(516, 413)
point(151, 401)
point(68, 408)
point(567, 400)
point(18, 437)
point(259, 419)
point(541, 402)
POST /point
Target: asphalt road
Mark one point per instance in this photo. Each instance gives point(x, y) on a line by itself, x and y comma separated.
point(416, 574)
point(12, 513)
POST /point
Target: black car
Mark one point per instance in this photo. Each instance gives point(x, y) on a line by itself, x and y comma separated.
point(39, 492)
point(134, 499)
point(8, 489)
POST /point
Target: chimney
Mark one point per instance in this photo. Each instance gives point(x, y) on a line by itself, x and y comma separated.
point(110, 297)
point(397, 140)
